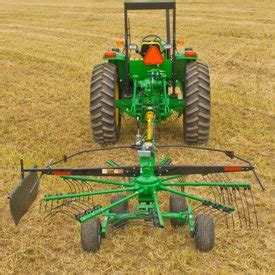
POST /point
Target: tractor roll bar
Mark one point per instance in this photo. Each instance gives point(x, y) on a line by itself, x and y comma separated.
point(149, 4)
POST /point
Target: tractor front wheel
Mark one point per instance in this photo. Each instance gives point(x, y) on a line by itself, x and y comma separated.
point(105, 117)
point(196, 116)
point(90, 235)
point(205, 233)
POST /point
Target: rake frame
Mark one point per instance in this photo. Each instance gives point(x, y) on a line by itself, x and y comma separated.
point(144, 183)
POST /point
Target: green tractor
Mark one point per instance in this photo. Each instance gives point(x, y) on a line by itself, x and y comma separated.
point(159, 80)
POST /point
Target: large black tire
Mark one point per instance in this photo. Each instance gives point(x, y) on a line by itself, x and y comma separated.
point(119, 209)
point(90, 235)
point(205, 233)
point(177, 204)
point(105, 118)
point(196, 117)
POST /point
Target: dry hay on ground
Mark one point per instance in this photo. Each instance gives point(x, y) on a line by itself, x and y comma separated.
point(47, 51)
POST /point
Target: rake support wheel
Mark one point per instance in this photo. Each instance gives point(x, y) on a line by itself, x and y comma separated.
point(105, 117)
point(196, 118)
point(119, 209)
point(205, 233)
point(90, 235)
point(177, 204)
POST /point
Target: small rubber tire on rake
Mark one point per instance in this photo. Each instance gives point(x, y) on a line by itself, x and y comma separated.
point(205, 232)
point(119, 209)
point(105, 117)
point(177, 204)
point(196, 115)
point(90, 235)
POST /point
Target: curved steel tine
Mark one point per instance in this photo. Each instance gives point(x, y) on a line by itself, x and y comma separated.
point(247, 206)
point(223, 200)
point(61, 211)
point(233, 192)
point(228, 197)
point(87, 185)
point(74, 207)
point(210, 210)
point(216, 188)
point(243, 208)
point(254, 207)
point(227, 177)
point(200, 206)
point(90, 188)
point(71, 185)
point(66, 203)
point(68, 183)
point(86, 205)
point(77, 186)
point(230, 203)
point(219, 193)
point(218, 215)
point(81, 188)
point(53, 213)
point(212, 189)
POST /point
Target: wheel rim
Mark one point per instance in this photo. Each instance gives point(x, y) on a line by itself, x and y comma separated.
point(116, 109)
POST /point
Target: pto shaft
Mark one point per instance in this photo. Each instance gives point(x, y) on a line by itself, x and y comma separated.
point(149, 116)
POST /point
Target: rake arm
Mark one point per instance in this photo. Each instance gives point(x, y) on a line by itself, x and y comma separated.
point(86, 194)
point(158, 212)
point(210, 184)
point(218, 206)
point(86, 179)
point(100, 211)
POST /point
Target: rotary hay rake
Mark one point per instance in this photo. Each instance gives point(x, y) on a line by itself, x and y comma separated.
point(144, 182)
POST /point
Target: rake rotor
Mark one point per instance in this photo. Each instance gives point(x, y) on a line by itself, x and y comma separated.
point(226, 200)
point(210, 192)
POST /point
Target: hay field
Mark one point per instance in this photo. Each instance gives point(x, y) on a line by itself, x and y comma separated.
point(47, 51)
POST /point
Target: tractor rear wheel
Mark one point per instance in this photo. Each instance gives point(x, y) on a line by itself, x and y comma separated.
point(177, 204)
point(105, 117)
point(205, 232)
point(90, 235)
point(119, 209)
point(196, 116)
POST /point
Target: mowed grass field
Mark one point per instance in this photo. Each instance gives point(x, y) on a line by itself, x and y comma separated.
point(47, 52)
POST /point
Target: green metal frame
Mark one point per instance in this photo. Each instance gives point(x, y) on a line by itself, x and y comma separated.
point(151, 85)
